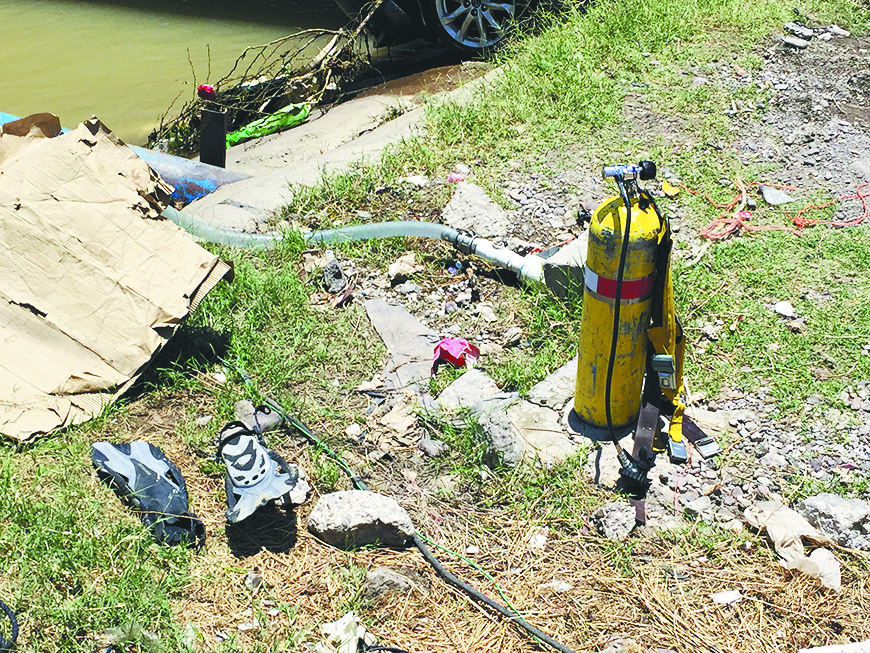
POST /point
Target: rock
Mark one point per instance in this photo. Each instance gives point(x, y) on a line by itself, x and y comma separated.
point(467, 391)
point(334, 279)
point(785, 309)
point(795, 42)
point(471, 209)
point(845, 520)
point(512, 336)
point(615, 520)
point(774, 196)
point(353, 518)
point(386, 580)
point(699, 507)
point(432, 448)
point(839, 31)
point(773, 459)
point(407, 288)
point(505, 446)
point(799, 30)
point(543, 434)
point(556, 389)
point(244, 411)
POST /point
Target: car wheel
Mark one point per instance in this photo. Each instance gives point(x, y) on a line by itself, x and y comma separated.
point(473, 25)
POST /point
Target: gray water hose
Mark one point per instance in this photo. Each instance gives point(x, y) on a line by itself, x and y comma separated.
point(529, 268)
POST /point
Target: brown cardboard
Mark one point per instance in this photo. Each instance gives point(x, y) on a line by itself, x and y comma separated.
point(93, 281)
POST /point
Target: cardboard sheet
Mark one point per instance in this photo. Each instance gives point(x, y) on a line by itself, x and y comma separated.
point(93, 281)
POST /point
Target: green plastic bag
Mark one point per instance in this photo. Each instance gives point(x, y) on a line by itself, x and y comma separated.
point(289, 116)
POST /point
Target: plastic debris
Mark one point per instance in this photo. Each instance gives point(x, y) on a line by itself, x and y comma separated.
point(456, 351)
point(669, 189)
point(786, 530)
point(728, 597)
point(289, 116)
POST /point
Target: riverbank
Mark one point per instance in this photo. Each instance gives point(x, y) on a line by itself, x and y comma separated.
point(710, 91)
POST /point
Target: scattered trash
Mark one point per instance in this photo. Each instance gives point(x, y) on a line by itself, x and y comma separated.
point(148, 482)
point(254, 579)
point(669, 189)
point(403, 267)
point(558, 586)
point(419, 181)
point(728, 597)
point(284, 118)
point(786, 529)
point(774, 196)
point(785, 309)
point(455, 178)
point(456, 351)
point(345, 634)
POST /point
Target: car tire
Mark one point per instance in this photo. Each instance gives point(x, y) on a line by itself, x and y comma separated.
point(472, 26)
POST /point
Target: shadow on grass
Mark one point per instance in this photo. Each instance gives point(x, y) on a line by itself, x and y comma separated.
point(268, 528)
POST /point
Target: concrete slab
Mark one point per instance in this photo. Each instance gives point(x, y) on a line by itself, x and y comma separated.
point(558, 388)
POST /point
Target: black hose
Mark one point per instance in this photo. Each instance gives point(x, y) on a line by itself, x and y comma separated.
point(7, 645)
point(483, 598)
point(617, 301)
point(418, 542)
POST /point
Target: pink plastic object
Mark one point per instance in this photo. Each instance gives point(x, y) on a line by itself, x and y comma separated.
point(456, 351)
point(455, 178)
point(206, 91)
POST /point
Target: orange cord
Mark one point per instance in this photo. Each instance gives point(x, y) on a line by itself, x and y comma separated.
point(730, 222)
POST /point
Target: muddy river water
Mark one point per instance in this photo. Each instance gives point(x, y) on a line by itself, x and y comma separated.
point(127, 61)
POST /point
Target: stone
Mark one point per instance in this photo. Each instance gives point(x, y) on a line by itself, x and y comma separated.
point(512, 336)
point(795, 42)
point(505, 446)
point(542, 433)
point(839, 31)
point(773, 459)
point(555, 390)
point(352, 518)
point(615, 521)
point(845, 520)
point(407, 288)
point(334, 279)
point(245, 412)
point(468, 390)
point(799, 30)
point(408, 341)
point(387, 580)
point(774, 196)
point(471, 209)
point(432, 448)
point(699, 507)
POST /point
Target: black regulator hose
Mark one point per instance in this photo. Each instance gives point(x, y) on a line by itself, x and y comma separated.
point(617, 302)
point(7, 645)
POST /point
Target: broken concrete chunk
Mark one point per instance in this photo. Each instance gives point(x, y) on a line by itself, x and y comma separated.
point(556, 389)
point(353, 518)
point(563, 271)
point(468, 390)
point(795, 42)
point(774, 196)
point(845, 520)
point(505, 447)
point(471, 209)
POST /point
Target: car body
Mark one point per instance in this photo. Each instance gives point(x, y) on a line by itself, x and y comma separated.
point(471, 26)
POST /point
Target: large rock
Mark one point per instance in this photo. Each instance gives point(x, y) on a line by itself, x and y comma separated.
point(353, 518)
point(471, 209)
point(845, 520)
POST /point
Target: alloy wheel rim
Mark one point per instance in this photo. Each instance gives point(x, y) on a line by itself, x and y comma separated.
point(475, 23)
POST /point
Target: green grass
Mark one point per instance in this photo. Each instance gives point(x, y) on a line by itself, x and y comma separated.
point(76, 563)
